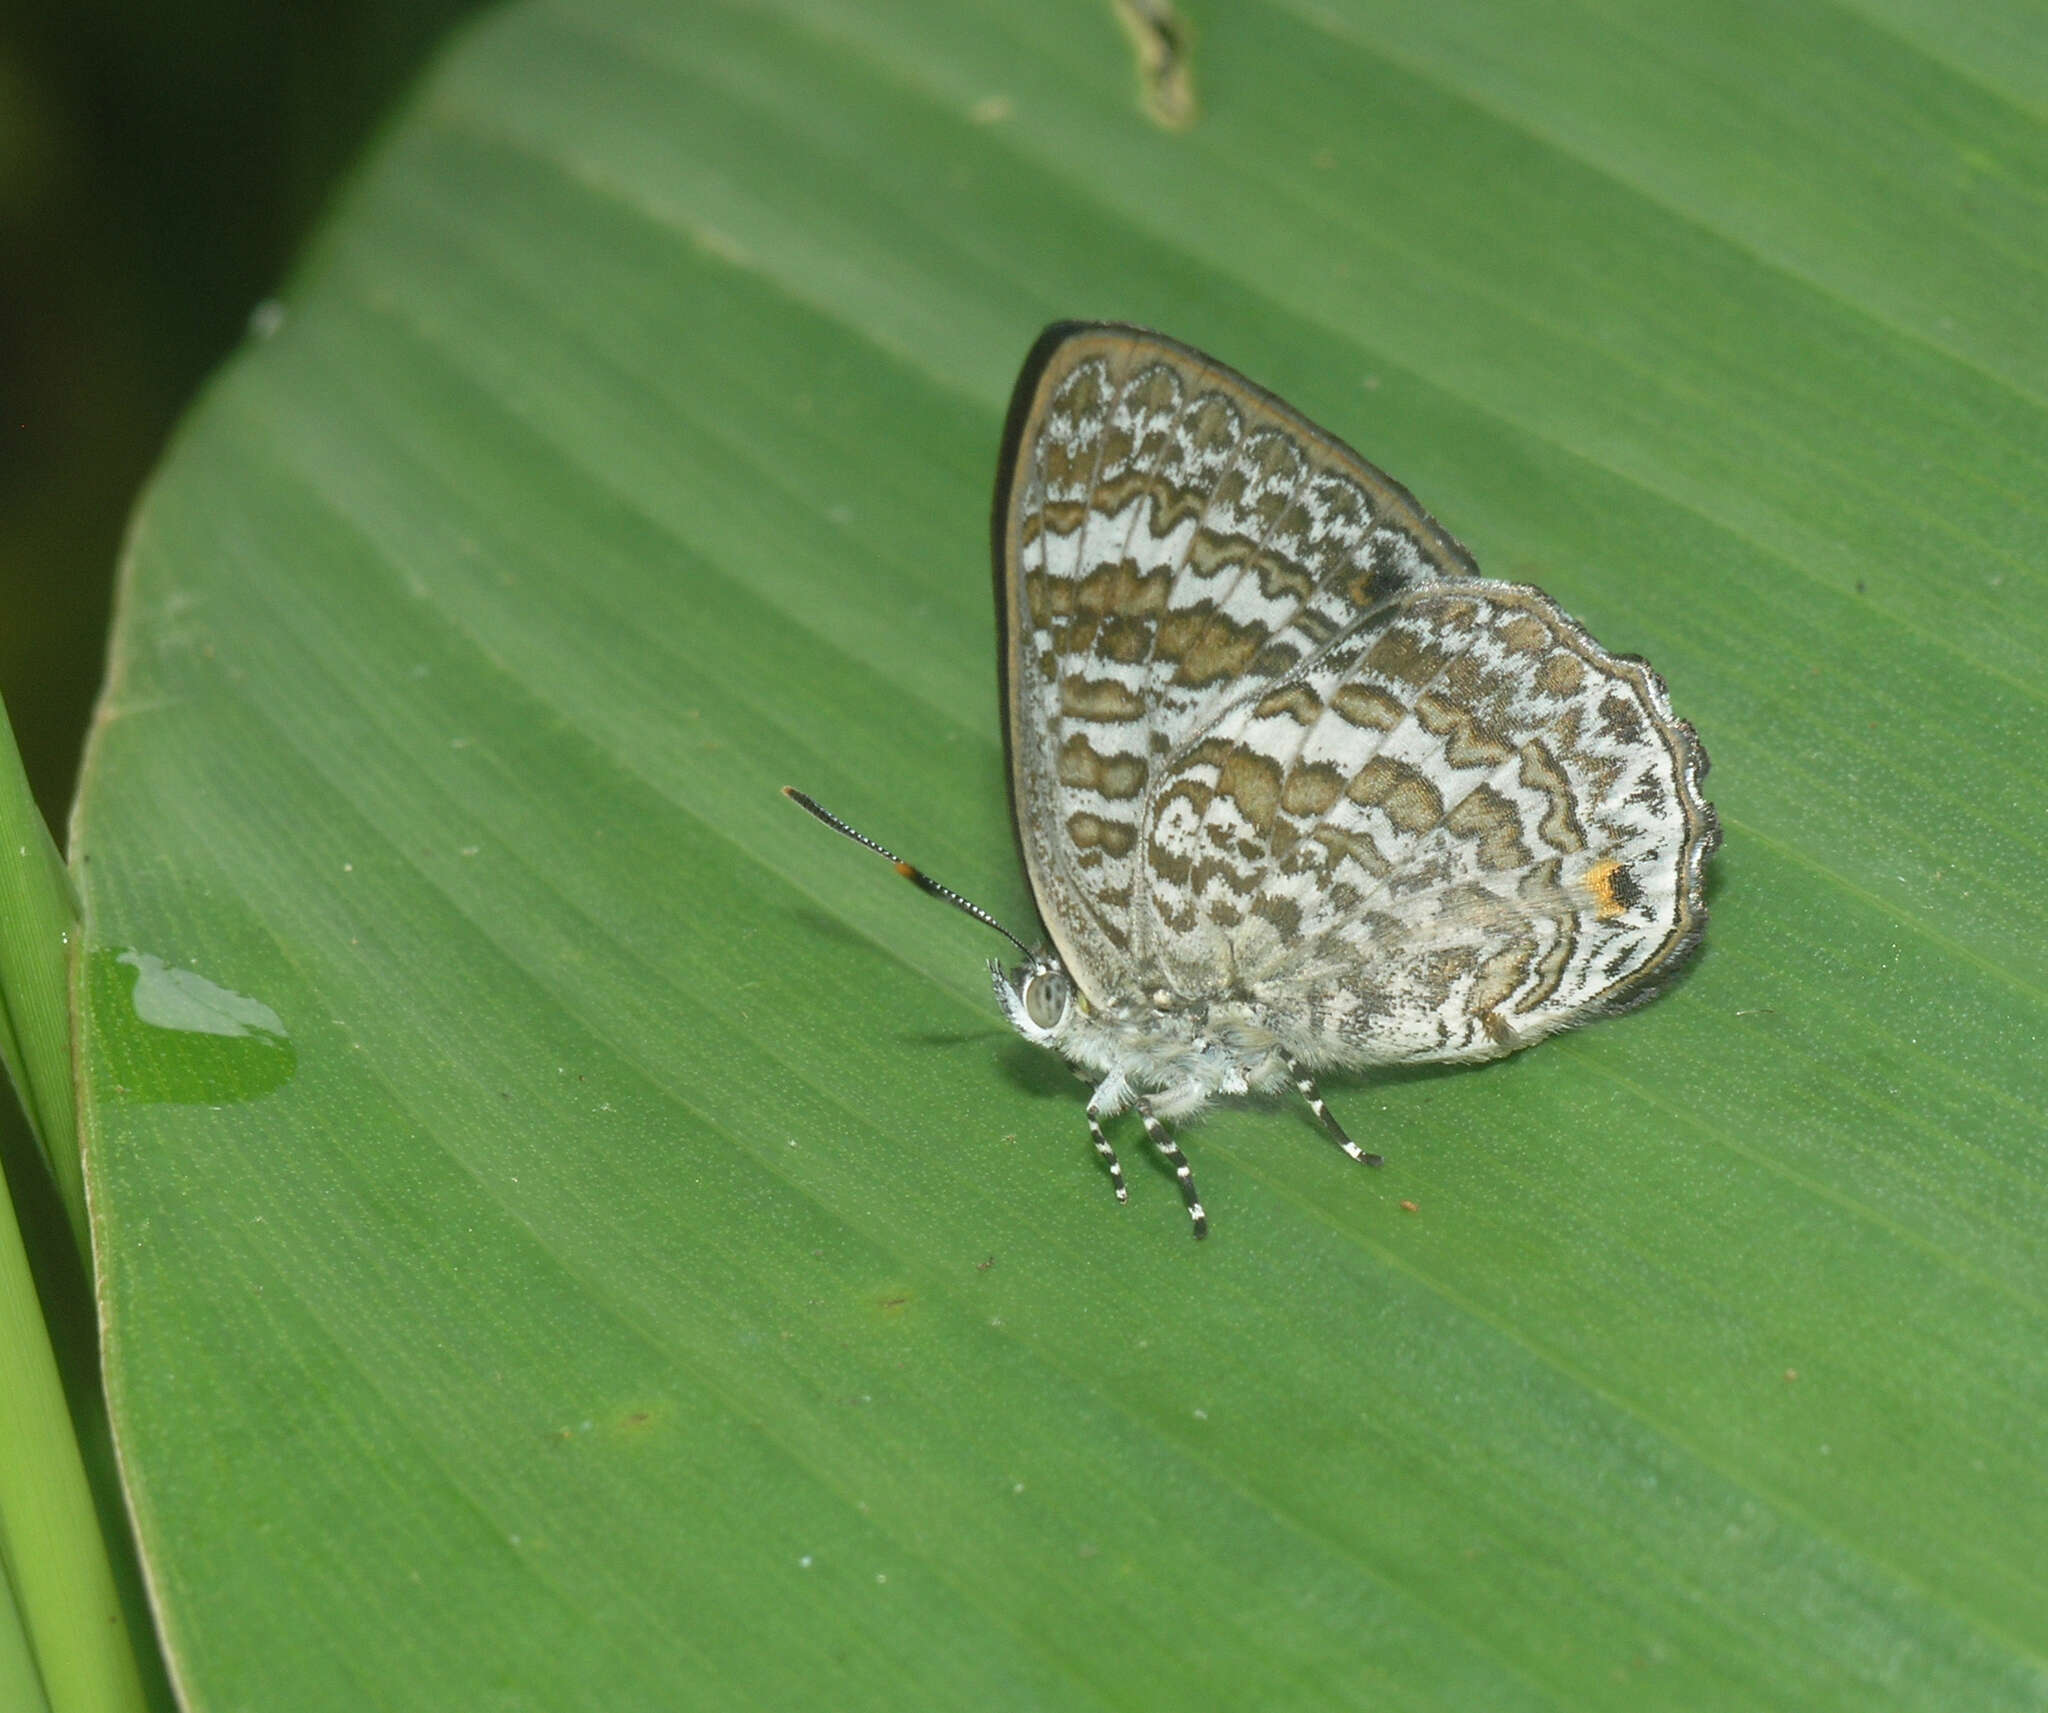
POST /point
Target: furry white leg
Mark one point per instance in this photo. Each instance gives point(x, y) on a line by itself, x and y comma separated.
point(1108, 1153)
point(1169, 1151)
point(1307, 1085)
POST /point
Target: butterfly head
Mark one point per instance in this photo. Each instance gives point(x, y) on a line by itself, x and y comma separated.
point(1038, 997)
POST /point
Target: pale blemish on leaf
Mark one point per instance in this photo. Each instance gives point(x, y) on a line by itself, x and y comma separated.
point(1166, 82)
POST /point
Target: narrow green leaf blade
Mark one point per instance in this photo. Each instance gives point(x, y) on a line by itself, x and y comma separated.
point(38, 915)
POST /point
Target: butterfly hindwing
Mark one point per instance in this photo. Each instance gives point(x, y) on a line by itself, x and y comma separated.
point(1462, 827)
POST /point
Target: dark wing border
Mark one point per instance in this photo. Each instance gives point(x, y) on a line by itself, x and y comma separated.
point(1678, 956)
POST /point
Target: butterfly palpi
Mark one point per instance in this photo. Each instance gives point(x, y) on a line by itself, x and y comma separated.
point(1297, 788)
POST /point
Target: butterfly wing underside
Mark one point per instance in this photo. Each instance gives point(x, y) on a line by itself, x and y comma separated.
point(1273, 738)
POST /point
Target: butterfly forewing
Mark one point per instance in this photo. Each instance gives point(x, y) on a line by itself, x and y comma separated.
point(1169, 537)
point(1274, 739)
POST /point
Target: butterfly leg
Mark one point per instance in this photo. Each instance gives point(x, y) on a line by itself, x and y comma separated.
point(1169, 1151)
point(1307, 1085)
point(1108, 1153)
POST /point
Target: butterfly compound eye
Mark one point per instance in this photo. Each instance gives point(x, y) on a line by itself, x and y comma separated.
point(1045, 998)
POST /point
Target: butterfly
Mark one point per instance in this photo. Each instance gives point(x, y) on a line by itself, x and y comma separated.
point(1297, 787)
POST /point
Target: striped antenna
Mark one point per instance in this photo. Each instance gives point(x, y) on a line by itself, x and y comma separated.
point(910, 871)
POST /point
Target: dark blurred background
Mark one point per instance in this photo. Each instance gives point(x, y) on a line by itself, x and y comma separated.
point(160, 165)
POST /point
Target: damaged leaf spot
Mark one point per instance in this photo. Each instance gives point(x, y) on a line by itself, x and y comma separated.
point(1166, 82)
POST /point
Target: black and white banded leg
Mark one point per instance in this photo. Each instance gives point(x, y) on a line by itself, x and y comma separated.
point(1307, 1085)
point(1108, 1153)
point(1169, 1151)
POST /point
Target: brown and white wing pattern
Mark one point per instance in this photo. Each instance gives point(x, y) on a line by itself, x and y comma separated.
point(1277, 746)
point(1462, 827)
point(1168, 538)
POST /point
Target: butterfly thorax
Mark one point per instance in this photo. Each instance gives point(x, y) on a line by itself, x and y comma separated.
point(1177, 1053)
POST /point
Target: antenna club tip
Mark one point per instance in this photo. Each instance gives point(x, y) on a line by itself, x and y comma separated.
point(791, 792)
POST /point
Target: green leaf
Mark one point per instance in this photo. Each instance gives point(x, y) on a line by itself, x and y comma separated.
point(590, 1241)
point(64, 1638)
point(65, 1642)
point(38, 916)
